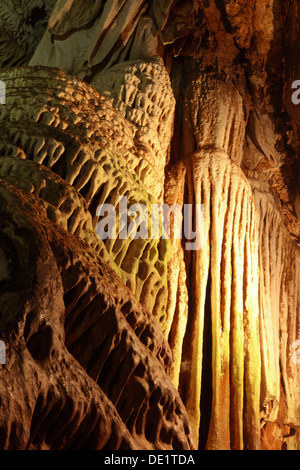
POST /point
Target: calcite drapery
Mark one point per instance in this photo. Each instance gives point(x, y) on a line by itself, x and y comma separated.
point(224, 303)
point(181, 103)
point(225, 306)
point(279, 296)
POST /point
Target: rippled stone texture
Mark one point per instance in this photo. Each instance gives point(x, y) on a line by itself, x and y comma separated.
point(175, 102)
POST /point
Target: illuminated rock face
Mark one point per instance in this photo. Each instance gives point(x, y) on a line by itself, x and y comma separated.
point(140, 343)
point(71, 328)
point(224, 335)
point(57, 136)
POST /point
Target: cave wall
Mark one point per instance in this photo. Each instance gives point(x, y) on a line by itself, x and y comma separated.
point(173, 103)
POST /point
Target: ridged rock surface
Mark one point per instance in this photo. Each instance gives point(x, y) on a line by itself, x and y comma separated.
point(72, 327)
point(58, 134)
point(142, 343)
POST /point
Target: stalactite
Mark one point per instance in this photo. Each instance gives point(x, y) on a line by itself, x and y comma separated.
point(177, 304)
point(279, 299)
point(229, 258)
point(161, 101)
point(220, 353)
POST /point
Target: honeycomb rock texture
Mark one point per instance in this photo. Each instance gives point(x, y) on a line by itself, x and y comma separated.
point(92, 332)
point(186, 338)
point(81, 166)
point(142, 92)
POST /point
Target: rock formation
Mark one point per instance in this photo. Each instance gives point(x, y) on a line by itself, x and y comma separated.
point(123, 342)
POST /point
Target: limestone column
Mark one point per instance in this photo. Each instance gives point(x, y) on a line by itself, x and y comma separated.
point(219, 376)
